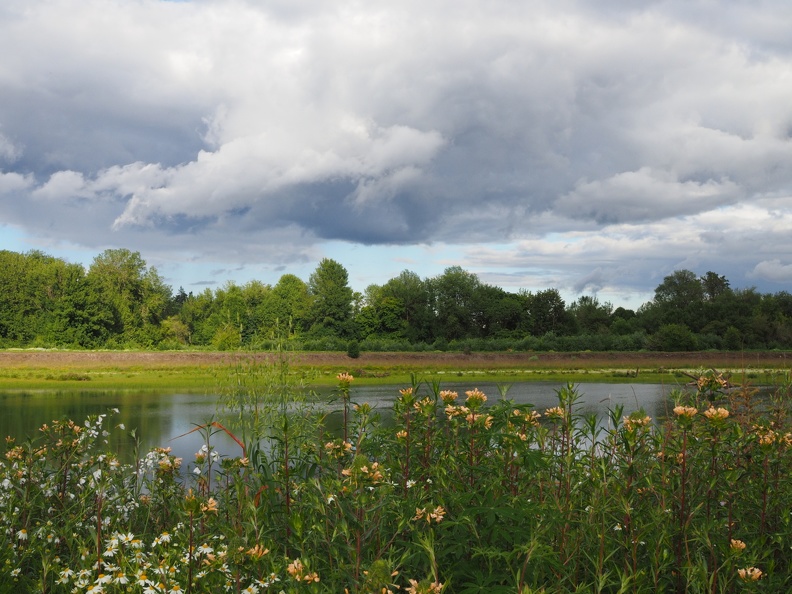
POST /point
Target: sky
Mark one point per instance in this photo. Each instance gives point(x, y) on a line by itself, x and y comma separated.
point(592, 146)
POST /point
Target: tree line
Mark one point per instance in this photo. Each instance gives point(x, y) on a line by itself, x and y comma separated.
point(121, 302)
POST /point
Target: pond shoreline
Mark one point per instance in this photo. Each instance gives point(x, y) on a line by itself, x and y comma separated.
point(89, 370)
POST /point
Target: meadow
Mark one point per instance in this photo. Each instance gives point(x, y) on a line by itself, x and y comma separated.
point(465, 493)
point(45, 369)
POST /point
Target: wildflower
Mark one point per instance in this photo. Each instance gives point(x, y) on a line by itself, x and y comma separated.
point(429, 588)
point(257, 552)
point(475, 398)
point(632, 423)
point(163, 538)
point(750, 574)
point(295, 568)
point(716, 414)
point(531, 417)
point(685, 411)
point(406, 391)
point(765, 435)
point(345, 378)
point(555, 412)
point(210, 506)
point(16, 572)
point(104, 578)
point(737, 545)
point(448, 396)
point(435, 515)
point(401, 434)
point(204, 549)
point(298, 571)
point(22, 534)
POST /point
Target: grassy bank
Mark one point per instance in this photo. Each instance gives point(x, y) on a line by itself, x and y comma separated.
point(197, 370)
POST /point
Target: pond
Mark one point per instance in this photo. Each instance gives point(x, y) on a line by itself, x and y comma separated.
point(170, 419)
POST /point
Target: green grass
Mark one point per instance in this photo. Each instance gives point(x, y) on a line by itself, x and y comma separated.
point(101, 370)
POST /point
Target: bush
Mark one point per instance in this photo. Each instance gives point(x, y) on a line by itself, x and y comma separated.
point(673, 337)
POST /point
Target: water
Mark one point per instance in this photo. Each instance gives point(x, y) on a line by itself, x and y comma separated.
point(170, 419)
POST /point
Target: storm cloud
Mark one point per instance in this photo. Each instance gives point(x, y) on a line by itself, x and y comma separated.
point(601, 145)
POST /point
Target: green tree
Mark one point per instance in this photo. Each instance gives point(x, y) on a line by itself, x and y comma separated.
point(81, 317)
point(380, 315)
point(137, 294)
point(411, 302)
point(545, 312)
point(330, 312)
point(679, 299)
point(291, 302)
point(454, 298)
point(590, 316)
point(714, 285)
point(496, 312)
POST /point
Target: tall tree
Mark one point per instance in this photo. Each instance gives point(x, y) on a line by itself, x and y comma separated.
point(331, 299)
point(411, 293)
point(714, 285)
point(545, 312)
point(679, 299)
point(591, 316)
point(291, 303)
point(138, 294)
point(453, 295)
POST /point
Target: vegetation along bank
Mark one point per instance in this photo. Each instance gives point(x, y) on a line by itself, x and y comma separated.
point(120, 302)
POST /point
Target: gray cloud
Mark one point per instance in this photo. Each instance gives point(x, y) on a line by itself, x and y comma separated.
point(607, 142)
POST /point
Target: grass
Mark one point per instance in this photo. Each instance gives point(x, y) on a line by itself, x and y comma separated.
point(195, 370)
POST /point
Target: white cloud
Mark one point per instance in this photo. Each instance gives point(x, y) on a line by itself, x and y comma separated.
point(772, 270)
point(14, 182)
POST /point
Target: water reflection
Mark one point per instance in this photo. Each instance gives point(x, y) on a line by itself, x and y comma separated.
point(168, 419)
point(158, 419)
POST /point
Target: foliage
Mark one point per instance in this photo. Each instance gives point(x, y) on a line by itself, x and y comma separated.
point(457, 493)
point(120, 302)
point(353, 349)
point(331, 299)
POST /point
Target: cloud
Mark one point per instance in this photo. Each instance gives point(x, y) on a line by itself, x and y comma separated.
point(772, 270)
point(8, 151)
point(644, 195)
point(600, 141)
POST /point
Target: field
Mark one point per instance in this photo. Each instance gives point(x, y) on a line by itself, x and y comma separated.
point(103, 370)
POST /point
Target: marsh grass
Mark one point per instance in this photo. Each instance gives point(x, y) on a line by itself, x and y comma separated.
point(190, 370)
point(463, 493)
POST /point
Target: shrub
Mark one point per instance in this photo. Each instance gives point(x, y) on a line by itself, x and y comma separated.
point(353, 349)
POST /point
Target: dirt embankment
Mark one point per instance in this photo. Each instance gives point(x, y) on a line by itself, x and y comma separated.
point(436, 360)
